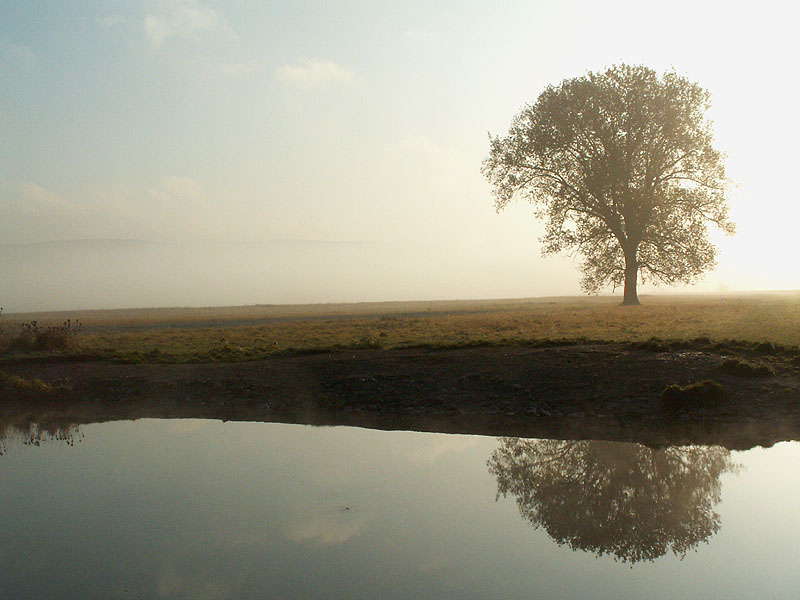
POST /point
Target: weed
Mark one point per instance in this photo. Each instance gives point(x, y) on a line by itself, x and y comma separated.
point(33, 337)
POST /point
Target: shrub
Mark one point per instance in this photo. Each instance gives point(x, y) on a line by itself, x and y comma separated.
point(696, 395)
point(743, 368)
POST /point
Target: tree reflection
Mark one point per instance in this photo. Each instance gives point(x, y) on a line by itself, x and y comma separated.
point(627, 500)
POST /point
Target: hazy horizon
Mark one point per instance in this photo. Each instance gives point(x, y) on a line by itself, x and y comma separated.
point(343, 143)
point(111, 274)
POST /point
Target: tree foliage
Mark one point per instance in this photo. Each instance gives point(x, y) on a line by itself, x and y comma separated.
point(622, 168)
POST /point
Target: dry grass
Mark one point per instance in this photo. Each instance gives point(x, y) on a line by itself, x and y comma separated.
point(242, 333)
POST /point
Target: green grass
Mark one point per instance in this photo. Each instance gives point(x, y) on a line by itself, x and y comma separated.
point(248, 333)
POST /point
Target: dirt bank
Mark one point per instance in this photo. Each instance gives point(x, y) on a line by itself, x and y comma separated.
point(601, 391)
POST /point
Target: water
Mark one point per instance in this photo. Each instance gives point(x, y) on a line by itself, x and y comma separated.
point(206, 509)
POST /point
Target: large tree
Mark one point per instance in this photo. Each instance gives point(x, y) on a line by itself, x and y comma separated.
point(622, 168)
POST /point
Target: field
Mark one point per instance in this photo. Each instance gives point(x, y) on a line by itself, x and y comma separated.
point(232, 334)
point(722, 369)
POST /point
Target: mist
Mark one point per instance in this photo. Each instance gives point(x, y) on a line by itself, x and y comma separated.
point(129, 274)
point(99, 274)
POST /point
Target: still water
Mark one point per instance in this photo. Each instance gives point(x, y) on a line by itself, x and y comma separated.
point(206, 509)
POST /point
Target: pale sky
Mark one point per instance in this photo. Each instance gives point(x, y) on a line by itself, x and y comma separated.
point(199, 133)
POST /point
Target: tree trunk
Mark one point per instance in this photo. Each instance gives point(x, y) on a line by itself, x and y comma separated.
point(631, 298)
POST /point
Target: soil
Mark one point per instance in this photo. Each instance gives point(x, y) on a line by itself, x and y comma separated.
point(591, 391)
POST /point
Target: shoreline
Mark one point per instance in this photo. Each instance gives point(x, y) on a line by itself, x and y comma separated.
point(582, 391)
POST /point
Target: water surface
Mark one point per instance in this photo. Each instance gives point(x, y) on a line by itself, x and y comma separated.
point(206, 509)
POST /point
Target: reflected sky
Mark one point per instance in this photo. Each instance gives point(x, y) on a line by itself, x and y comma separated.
point(205, 509)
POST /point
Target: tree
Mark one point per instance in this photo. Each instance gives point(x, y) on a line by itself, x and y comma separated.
point(621, 499)
point(621, 165)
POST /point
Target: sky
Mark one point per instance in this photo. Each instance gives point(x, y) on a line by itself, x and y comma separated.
point(198, 153)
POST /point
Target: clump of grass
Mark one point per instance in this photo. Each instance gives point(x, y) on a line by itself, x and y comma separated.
point(743, 368)
point(654, 344)
point(765, 348)
point(34, 337)
point(13, 387)
point(368, 341)
point(696, 395)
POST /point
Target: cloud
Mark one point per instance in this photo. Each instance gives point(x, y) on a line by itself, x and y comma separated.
point(29, 212)
point(15, 57)
point(170, 208)
point(33, 197)
point(424, 148)
point(109, 21)
point(450, 166)
point(187, 20)
point(180, 190)
point(439, 446)
point(314, 73)
point(424, 37)
point(171, 584)
point(230, 70)
point(34, 191)
point(329, 529)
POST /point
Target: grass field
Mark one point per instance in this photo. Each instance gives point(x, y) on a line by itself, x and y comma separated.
point(247, 333)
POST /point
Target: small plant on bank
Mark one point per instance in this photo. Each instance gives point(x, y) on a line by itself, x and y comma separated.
point(696, 395)
point(654, 344)
point(368, 341)
point(13, 387)
point(743, 368)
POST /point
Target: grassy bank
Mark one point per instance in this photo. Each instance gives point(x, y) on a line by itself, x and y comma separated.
point(246, 333)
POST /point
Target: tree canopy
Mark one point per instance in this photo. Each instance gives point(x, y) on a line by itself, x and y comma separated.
point(621, 166)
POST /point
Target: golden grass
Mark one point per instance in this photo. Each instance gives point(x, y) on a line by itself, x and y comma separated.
point(236, 333)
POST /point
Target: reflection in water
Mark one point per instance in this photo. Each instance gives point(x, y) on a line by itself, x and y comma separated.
point(33, 434)
point(627, 500)
point(33, 421)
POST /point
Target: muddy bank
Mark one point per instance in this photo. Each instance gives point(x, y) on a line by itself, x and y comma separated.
point(593, 391)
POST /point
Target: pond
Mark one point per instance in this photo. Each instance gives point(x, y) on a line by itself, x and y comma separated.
point(184, 508)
